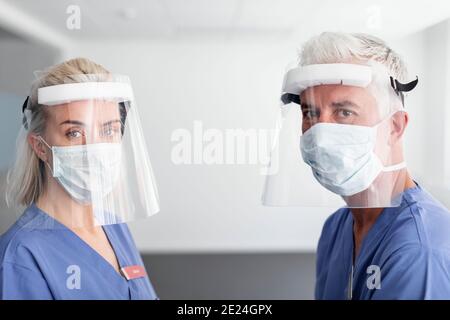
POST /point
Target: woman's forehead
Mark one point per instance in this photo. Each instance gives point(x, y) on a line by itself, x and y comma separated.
point(86, 109)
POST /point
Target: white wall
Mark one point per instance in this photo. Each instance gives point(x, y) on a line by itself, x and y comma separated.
point(436, 111)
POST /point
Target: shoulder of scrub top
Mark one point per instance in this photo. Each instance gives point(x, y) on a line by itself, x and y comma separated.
point(420, 221)
point(25, 236)
point(332, 226)
point(34, 234)
point(336, 220)
point(122, 236)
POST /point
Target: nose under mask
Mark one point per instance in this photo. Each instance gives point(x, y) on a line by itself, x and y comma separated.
point(86, 172)
point(342, 156)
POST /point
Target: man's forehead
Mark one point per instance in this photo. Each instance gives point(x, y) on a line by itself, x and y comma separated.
point(337, 94)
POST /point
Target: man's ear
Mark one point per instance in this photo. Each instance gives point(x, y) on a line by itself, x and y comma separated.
point(399, 121)
point(38, 146)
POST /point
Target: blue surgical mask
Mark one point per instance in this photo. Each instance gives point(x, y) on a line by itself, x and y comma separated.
point(342, 156)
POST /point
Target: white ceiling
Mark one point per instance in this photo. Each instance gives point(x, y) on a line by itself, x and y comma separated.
point(104, 19)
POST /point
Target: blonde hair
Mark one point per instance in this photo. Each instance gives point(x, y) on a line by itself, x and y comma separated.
point(26, 179)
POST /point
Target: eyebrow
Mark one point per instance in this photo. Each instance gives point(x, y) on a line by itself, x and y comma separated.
point(80, 123)
point(307, 106)
point(345, 103)
point(72, 122)
point(111, 122)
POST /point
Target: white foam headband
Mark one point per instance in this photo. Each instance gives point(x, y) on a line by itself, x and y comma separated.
point(298, 79)
point(65, 93)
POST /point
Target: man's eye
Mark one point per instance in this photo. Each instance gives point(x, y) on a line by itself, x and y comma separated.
point(309, 113)
point(345, 113)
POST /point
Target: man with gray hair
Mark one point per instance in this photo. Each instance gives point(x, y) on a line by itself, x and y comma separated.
point(391, 240)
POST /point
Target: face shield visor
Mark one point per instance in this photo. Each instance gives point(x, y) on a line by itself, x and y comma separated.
point(94, 161)
point(337, 138)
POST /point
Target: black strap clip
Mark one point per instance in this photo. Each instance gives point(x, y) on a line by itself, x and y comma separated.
point(24, 118)
point(25, 104)
point(399, 87)
point(287, 98)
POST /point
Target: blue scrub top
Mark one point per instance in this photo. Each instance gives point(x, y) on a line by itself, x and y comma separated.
point(405, 254)
point(42, 259)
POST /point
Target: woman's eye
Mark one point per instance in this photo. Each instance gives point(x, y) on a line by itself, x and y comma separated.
point(74, 134)
point(110, 131)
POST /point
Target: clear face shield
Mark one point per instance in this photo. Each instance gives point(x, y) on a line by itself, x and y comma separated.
point(338, 139)
point(94, 161)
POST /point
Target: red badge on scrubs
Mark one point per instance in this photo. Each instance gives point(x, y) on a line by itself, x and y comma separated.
point(134, 272)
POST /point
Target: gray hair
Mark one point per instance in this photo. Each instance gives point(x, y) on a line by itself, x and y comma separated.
point(338, 47)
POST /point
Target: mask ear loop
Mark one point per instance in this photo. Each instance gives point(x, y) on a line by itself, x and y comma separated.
point(394, 167)
point(400, 165)
point(48, 165)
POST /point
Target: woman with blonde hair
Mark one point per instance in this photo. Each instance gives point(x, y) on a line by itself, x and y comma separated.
point(82, 171)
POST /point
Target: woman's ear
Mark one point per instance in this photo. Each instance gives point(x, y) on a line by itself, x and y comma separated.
point(38, 146)
point(399, 121)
